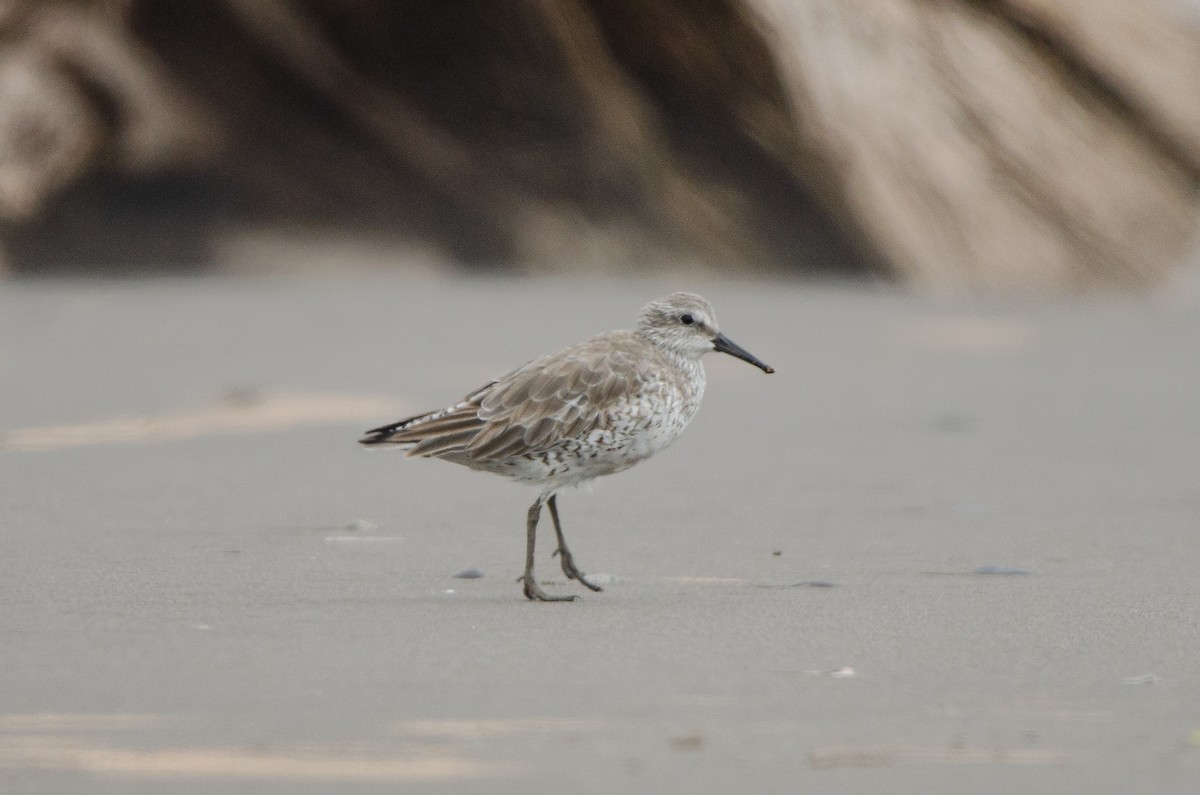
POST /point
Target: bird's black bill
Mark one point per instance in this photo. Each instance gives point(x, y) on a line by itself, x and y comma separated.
point(726, 345)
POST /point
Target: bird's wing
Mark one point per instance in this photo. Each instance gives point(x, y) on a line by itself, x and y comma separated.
point(431, 433)
point(532, 408)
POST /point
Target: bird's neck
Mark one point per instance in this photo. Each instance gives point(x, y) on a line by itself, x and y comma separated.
point(692, 369)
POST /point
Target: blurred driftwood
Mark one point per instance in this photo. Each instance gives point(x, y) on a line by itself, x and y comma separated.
point(1042, 143)
point(1020, 144)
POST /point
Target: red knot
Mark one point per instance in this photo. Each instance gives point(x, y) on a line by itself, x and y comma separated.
point(595, 408)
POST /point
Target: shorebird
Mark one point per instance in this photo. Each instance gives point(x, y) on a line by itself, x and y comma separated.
point(594, 408)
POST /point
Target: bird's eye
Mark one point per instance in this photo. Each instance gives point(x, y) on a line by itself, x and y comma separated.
point(687, 320)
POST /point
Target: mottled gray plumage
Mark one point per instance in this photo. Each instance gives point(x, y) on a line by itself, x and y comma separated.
point(595, 408)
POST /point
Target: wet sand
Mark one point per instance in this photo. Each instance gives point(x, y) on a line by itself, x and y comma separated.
point(950, 546)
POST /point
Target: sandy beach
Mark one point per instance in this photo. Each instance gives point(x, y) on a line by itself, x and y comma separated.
point(950, 546)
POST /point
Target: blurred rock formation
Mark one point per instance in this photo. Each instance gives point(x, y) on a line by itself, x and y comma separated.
point(1012, 144)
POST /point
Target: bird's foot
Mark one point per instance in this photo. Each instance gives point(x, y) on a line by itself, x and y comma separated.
point(534, 592)
point(568, 567)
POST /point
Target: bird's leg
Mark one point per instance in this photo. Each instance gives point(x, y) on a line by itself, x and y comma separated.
point(568, 563)
point(532, 591)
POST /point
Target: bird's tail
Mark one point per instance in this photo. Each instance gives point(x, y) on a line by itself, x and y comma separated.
point(429, 434)
point(386, 434)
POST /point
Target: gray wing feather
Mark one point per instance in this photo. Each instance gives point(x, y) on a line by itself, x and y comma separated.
point(531, 409)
